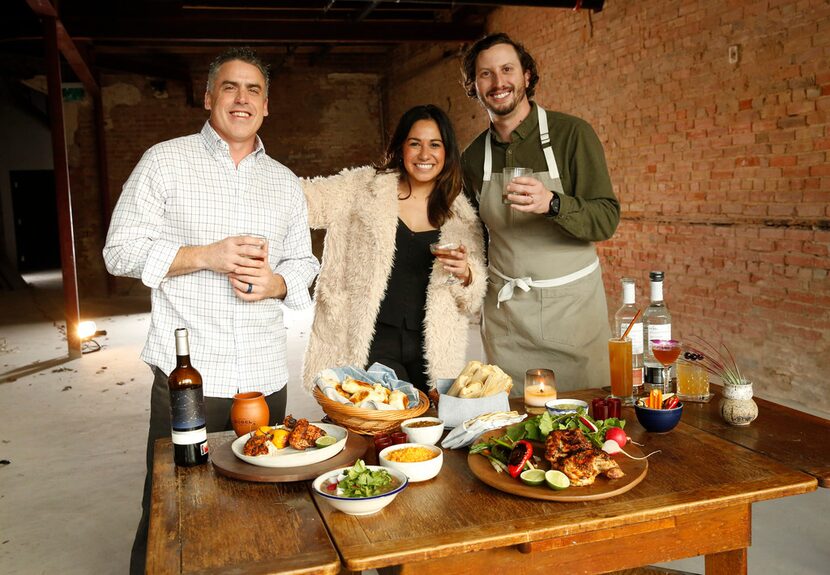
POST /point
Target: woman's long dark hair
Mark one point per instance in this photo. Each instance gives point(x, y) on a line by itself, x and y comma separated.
point(449, 181)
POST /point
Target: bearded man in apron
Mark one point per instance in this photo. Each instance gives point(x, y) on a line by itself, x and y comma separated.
point(545, 305)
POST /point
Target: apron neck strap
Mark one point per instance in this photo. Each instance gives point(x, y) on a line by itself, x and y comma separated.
point(544, 137)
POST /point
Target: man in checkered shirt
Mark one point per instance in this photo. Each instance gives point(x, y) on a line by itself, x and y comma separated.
point(187, 224)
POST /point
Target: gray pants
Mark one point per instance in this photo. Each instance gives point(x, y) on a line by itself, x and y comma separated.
point(218, 417)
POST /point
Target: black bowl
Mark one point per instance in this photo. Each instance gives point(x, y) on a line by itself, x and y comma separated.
point(658, 420)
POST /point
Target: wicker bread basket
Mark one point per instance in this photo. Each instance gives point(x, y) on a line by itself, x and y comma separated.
point(368, 421)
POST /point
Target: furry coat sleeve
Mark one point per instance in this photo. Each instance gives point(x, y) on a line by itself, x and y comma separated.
point(359, 210)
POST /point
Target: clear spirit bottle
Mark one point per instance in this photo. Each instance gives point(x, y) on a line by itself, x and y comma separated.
point(656, 325)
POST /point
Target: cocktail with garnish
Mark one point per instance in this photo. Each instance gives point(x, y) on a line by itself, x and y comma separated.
point(666, 351)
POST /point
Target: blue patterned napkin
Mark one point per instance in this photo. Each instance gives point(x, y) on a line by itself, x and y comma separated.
point(377, 373)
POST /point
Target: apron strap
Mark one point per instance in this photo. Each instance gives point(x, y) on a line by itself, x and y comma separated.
point(488, 158)
point(526, 283)
point(544, 136)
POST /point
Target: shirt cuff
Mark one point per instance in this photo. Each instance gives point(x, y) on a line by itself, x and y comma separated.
point(297, 296)
point(159, 260)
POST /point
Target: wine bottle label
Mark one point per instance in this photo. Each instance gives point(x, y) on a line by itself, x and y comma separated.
point(636, 335)
point(187, 409)
point(191, 438)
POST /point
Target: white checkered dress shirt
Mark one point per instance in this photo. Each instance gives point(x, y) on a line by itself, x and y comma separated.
point(187, 191)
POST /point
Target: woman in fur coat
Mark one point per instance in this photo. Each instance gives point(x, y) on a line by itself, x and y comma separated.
point(381, 296)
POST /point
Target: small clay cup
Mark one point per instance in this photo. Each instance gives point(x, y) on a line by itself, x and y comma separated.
point(248, 412)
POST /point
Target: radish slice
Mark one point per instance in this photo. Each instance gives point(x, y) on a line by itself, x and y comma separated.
point(588, 423)
point(611, 447)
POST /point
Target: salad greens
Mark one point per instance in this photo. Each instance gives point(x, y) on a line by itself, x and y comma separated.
point(537, 429)
point(360, 481)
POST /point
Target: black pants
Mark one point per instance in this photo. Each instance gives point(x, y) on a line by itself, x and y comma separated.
point(401, 349)
point(218, 418)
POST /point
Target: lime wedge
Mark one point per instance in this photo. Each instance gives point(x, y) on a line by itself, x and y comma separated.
point(557, 480)
point(325, 441)
point(533, 476)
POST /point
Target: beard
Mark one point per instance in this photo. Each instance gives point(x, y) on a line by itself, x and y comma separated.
point(506, 107)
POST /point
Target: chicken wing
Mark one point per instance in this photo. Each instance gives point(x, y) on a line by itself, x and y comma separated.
point(571, 452)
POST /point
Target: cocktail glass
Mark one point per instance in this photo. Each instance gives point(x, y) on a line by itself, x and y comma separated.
point(666, 351)
point(444, 249)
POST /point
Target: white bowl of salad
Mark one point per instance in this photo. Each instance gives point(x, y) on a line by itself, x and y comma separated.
point(361, 489)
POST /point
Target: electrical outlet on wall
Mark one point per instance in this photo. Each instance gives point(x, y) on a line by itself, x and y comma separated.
point(734, 53)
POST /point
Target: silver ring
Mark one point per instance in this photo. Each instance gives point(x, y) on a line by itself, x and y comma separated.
point(250, 288)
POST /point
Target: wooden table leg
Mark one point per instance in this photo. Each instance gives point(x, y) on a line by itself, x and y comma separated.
point(727, 563)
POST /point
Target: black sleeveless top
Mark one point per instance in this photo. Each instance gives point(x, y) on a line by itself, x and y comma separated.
point(406, 292)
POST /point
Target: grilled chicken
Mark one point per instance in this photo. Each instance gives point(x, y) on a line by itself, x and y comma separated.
point(303, 435)
point(571, 452)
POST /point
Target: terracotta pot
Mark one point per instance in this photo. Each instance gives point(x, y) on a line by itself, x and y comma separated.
point(737, 406)
point(248, 412)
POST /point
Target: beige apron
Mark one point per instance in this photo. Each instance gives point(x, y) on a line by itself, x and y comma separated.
point(552, 312)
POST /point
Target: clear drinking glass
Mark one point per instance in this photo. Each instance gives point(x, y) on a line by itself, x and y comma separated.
point(508, 174)
point(622, 381)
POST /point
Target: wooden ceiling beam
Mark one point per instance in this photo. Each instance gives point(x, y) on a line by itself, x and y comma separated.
point(178, 31)
point(67, 47)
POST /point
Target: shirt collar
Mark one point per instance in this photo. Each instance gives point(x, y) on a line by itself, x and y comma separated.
point(523, 130)
point(215, 143)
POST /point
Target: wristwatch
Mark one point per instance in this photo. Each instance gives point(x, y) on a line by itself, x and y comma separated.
point(553, 208)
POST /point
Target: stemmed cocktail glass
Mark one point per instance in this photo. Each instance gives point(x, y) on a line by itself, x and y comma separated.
point(445, 250)
point(666, 351)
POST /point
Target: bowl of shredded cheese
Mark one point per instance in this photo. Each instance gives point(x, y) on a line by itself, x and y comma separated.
point(417, 461)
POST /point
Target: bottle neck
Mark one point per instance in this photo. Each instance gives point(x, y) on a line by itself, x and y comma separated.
point(183, 360)
point(628, 294)
point(656, 292)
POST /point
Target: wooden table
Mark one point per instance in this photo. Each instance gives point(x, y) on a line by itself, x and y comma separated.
point(696, 500)
point(202, 522)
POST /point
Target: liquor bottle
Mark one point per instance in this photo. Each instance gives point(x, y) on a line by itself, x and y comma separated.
point(622, 318)
point(187, 408)
point(656, 325)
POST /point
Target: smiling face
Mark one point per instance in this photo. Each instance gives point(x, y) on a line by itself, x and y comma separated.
point(500, 82)
point(423, 152)
point(237, 102)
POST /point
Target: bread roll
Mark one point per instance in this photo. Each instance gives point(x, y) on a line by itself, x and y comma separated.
point(398, 400)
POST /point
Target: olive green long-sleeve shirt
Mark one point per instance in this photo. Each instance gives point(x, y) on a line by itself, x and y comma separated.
point(589, 210)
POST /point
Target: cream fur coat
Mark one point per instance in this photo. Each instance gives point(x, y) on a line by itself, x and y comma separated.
point(358, 208)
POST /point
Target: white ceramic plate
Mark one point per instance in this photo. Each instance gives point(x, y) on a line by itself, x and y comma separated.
point(290, 457)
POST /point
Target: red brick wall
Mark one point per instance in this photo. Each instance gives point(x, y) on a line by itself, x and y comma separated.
point(722, 169)
point(324, 122)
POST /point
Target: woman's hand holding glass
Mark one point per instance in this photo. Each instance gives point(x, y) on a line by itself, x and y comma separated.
point(453, 258)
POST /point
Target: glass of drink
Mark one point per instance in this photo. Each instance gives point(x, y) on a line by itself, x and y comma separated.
point(692, 381)
point(540, 387)
point(666, 351)
point(261, 243)
point(622, 380)
point(444, 250)
point(508, 175)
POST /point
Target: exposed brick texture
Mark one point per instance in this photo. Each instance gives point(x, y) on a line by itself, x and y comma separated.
point(319, 123)
point(721, 169)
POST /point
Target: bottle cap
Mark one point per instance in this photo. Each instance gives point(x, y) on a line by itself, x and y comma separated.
point(655, 276)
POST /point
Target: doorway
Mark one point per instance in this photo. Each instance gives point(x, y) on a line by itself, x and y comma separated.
point(35, 213)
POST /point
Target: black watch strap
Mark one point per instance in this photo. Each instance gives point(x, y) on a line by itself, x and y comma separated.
point(553, 208)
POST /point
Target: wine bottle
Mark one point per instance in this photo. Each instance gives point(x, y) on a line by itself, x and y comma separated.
point(656, 325)
point(187, 408)
point(622, 319)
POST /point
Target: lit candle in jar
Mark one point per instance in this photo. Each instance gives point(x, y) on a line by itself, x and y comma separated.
point(540, 387)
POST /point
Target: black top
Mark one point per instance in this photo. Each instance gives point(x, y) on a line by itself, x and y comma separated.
point(406, 292)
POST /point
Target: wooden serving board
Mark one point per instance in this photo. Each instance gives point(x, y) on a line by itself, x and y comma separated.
point(635, 471)
point(229, 465)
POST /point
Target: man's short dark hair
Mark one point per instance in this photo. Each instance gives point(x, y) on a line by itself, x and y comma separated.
point(244, 54)
point(468, 64)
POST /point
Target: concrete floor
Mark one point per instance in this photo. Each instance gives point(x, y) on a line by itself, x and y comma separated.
point(73, 433)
